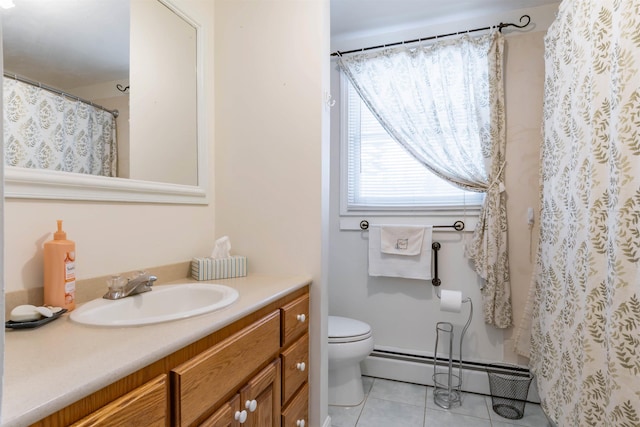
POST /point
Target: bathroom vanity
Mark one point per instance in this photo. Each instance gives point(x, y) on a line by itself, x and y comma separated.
point(246, 364)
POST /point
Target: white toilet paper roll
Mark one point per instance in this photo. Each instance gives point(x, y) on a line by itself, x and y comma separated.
point(451, 301)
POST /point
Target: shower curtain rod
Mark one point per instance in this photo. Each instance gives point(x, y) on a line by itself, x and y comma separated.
point(500, 26)
point(115, 113)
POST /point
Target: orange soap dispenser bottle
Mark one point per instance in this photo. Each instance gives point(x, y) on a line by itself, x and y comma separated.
point(60, 271)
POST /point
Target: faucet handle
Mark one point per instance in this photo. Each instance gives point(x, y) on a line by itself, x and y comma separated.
point(115, 283)
point(116, 287)
point(152, 279)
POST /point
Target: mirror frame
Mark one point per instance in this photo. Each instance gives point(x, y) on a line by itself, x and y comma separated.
point(24, 183)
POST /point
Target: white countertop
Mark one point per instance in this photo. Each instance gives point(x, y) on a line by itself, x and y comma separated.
point(48, 368)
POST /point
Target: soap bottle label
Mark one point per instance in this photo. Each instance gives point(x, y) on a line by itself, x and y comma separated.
point(70, 277)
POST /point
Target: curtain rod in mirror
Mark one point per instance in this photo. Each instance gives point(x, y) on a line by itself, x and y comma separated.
point(115, 113)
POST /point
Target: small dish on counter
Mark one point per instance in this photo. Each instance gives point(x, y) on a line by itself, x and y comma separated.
point(30, 324)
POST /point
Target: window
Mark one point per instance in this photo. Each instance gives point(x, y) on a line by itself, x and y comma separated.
point(381, 175)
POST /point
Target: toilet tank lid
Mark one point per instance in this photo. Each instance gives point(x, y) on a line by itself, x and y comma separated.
point(346, 327)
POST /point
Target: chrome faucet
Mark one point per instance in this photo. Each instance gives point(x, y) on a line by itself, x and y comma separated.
point(137, 285)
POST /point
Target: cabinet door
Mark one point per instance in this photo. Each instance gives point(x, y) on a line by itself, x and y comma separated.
point(295, 367)
point(203, 382)
point(145, 406)
point(227, 416)
point(296, 414)
point(261, 397)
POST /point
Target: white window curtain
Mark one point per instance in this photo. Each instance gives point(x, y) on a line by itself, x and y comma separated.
point(444, 103)
point(44, 130)
point(382, 176)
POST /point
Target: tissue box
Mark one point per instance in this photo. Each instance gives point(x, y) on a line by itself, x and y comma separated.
point(220, 268)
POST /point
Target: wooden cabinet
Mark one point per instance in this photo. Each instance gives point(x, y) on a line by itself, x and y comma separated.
point(202, 383)
point(295, 362)
point(251, 373)
point(258, 403)
point(145, 406)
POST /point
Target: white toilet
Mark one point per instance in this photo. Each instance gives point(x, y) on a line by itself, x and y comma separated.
point(350, 341)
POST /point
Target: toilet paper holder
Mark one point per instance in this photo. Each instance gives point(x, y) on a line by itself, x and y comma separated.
point(447, 384)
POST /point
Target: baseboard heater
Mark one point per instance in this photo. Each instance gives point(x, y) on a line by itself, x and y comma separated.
point(418, 369)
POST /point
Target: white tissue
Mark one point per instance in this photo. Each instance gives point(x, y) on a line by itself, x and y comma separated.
point(451, 301)
point(221, 248)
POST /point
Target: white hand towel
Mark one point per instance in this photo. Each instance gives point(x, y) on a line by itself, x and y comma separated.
point(401, 240)
point(393, 265)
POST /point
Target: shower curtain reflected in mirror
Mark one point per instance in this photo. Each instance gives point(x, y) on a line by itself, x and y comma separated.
point(45, 130)
point(586, 303)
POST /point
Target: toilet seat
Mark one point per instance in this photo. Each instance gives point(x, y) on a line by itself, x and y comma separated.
point(345, 330)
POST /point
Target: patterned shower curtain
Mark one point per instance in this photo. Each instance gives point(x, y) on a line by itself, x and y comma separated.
point(586, 309)
point(43, 130)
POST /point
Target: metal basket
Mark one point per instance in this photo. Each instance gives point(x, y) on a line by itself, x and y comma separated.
point(509, 392)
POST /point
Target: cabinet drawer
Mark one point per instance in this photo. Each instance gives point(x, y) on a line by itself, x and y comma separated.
point(295, 319)
point(296, 414)
point(295, 367)
point(200, 383)
point(145, 406)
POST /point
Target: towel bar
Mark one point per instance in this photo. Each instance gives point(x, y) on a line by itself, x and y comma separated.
point(458, 225)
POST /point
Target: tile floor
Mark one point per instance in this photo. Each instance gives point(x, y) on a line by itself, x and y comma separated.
point(397, 404)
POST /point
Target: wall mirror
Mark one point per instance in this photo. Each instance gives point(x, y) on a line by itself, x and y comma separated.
point(140, 57)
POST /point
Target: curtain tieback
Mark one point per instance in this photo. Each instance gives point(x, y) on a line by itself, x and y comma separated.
point(497, 180)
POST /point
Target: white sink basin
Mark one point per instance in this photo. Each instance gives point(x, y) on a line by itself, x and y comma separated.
point(162, 304)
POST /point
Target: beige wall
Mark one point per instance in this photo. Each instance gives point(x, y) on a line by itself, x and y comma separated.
point(109, 237)
point(271, 71)
point(268, 124)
